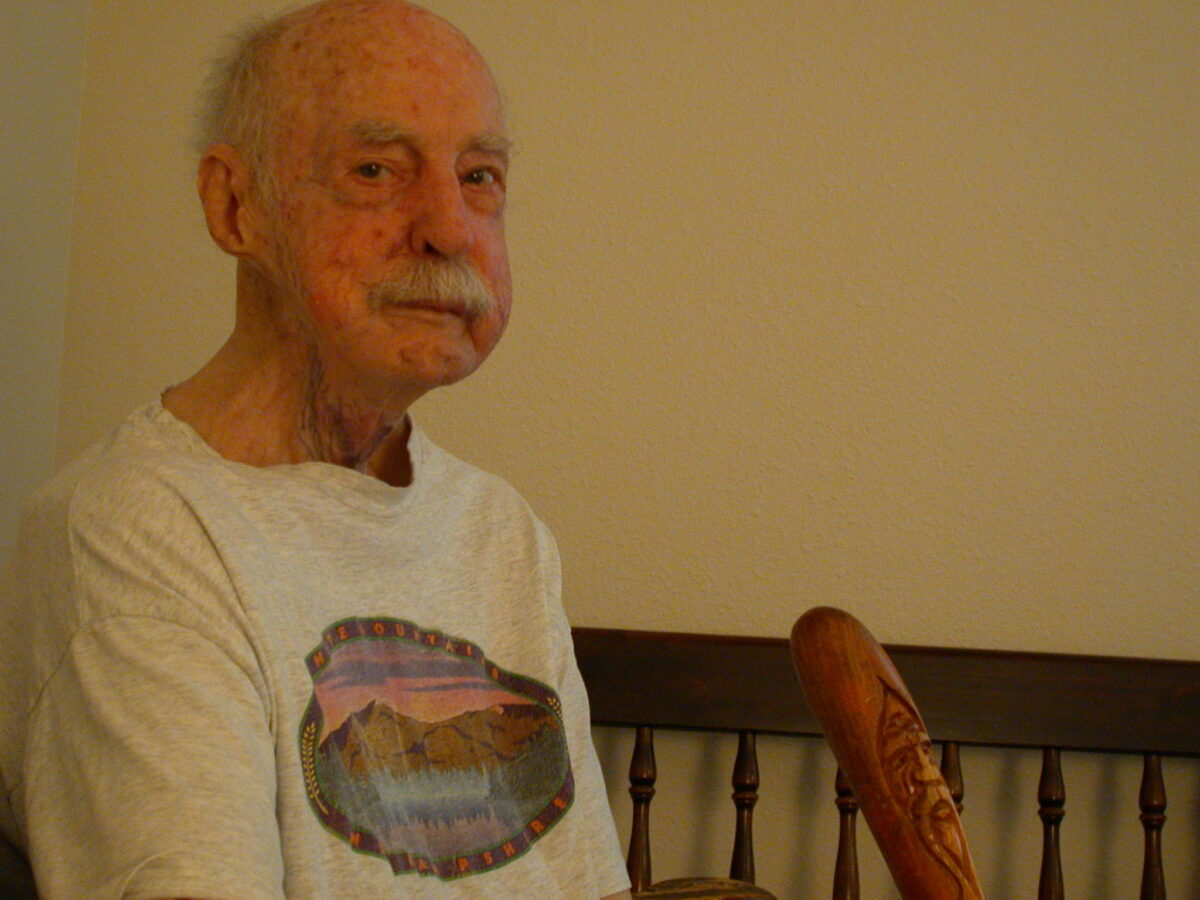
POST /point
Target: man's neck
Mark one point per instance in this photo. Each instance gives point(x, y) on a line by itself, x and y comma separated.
point(276, 408)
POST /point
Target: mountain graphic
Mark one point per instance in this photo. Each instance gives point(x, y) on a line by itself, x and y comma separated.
point(378, 738)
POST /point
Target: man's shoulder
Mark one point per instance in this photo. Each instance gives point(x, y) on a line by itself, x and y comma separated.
point(135, 464)
point(444, 472)
point(465, 503)
point(121, 506)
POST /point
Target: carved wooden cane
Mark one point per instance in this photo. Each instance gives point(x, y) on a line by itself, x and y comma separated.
point(882, 747)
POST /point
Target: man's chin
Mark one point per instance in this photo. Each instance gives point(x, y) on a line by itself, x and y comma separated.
point(437, 348)
point(437, 366)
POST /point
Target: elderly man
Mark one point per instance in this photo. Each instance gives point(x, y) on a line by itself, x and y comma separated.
point(267, 640)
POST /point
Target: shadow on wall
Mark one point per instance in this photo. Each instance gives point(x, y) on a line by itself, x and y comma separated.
point(1191, 813)
point(815, 789)
point(1009, 778)
point(1107, 791)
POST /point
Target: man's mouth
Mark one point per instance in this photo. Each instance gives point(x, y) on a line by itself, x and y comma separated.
point(445, 307)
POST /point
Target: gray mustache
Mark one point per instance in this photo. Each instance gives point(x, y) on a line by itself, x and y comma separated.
point(452, 283)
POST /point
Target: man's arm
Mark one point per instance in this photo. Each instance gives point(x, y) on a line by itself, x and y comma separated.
point(164, 816)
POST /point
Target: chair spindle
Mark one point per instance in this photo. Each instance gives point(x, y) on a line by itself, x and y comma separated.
point(642, 774)
point(745, 795)
point(1051, 799)
point(952, 771)
point(845, 871)
point(1152, 799)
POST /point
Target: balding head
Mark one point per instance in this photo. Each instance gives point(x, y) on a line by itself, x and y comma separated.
point(277, 68)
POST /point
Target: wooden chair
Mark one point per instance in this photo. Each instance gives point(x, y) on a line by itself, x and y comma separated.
point(881, 745)
point(740, 885)
point(1078, 706)
point(650, 680)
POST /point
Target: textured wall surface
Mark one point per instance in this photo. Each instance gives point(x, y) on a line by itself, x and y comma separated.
point(887, 306)
point(42, 50)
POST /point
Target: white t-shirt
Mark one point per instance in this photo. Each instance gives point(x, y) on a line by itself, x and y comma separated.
point(296, 681)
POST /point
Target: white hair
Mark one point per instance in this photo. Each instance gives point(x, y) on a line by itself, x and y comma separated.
point(453, 283)
point(239, 101)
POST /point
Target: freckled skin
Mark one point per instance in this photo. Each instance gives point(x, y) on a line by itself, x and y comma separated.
point(340, 245)
point(311, 370)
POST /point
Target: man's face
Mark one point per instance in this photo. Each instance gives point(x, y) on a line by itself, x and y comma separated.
point(391, 159)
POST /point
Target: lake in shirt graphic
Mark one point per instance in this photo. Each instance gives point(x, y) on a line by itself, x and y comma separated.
point(418, 749)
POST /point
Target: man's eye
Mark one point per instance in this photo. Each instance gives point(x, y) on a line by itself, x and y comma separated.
point(481, 176)
point(370, 170)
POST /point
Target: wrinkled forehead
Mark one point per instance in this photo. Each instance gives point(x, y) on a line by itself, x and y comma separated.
point(344, 54)
point(338, 33)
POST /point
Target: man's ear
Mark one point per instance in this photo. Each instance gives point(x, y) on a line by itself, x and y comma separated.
point(224, 184)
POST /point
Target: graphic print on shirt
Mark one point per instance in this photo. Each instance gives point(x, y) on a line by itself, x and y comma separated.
point(418, 749)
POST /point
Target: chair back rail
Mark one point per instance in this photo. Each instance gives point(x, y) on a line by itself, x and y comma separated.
point(1044, 701)
point(980, 697)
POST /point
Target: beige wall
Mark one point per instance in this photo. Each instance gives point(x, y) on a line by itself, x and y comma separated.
point(894, 309)
point(886, 305)
point(42, 49)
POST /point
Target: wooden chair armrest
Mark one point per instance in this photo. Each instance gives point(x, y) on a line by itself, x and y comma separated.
point(881, 745)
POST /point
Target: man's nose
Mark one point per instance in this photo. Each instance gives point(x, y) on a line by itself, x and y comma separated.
point(441, 224)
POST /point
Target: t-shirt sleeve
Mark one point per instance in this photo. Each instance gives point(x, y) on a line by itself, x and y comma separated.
point(591, 798)
point(150, 770)
point(149, 761)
